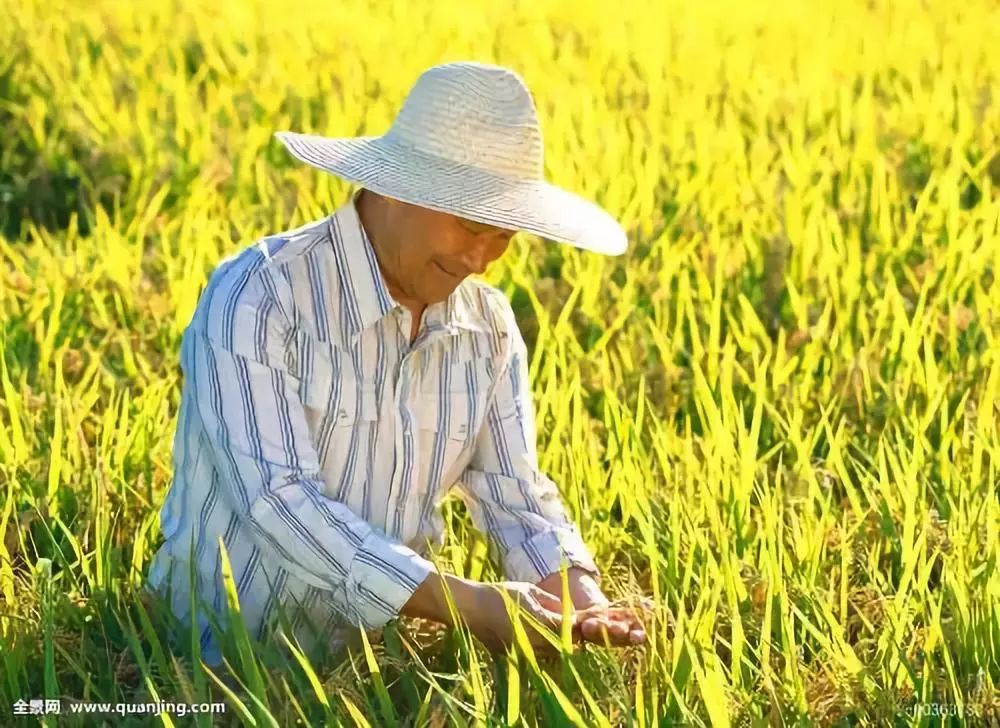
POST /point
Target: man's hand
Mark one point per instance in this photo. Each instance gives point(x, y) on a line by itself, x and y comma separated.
point(491, 621)
point(584, 591)
point(598, 619)
point(483, 607)
point(615, 624)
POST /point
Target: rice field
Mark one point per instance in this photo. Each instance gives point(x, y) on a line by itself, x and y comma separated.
point(777, 414)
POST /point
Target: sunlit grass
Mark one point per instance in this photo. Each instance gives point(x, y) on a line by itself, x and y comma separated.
point(777, 413)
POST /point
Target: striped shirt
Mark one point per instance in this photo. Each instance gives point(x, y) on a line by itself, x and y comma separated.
point(316, 441)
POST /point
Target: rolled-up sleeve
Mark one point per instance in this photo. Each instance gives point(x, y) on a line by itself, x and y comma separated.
point(506, 493)
point(247, 400)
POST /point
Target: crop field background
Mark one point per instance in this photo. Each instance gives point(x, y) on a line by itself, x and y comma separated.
point(777, 413)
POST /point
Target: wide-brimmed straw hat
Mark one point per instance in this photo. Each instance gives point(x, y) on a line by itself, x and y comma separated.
point(467, 142)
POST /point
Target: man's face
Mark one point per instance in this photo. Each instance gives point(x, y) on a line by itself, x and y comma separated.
point(427, 253)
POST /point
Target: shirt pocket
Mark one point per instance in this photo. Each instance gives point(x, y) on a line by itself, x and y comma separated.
point(339, 407)
point(447, 437)
point(316, 371)
point(343, 439)
point(452, 409)
point(452, 417)
point(354, 405)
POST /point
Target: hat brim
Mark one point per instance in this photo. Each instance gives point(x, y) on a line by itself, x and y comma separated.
point(383, 165)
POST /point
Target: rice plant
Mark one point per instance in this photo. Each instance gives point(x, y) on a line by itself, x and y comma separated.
point(777, 414)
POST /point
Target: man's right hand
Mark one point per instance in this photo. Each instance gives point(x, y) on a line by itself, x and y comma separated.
point(482, 606)
point(491, 621)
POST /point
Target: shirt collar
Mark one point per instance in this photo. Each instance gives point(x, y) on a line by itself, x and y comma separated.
point(365, 298)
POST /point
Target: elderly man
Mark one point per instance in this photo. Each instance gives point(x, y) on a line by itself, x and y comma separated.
point(341, 378)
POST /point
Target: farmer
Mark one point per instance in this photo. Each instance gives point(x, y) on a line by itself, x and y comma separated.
point(341, 378)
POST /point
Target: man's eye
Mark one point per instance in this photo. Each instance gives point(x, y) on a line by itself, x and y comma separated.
point(479, 228)
point(476, 227)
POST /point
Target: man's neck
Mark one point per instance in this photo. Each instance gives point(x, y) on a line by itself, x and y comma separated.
point(416, 308)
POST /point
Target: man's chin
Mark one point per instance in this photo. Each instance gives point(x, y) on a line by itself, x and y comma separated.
point(439, 296)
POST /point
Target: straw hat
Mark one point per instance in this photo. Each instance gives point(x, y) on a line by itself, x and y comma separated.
point(466, 142)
